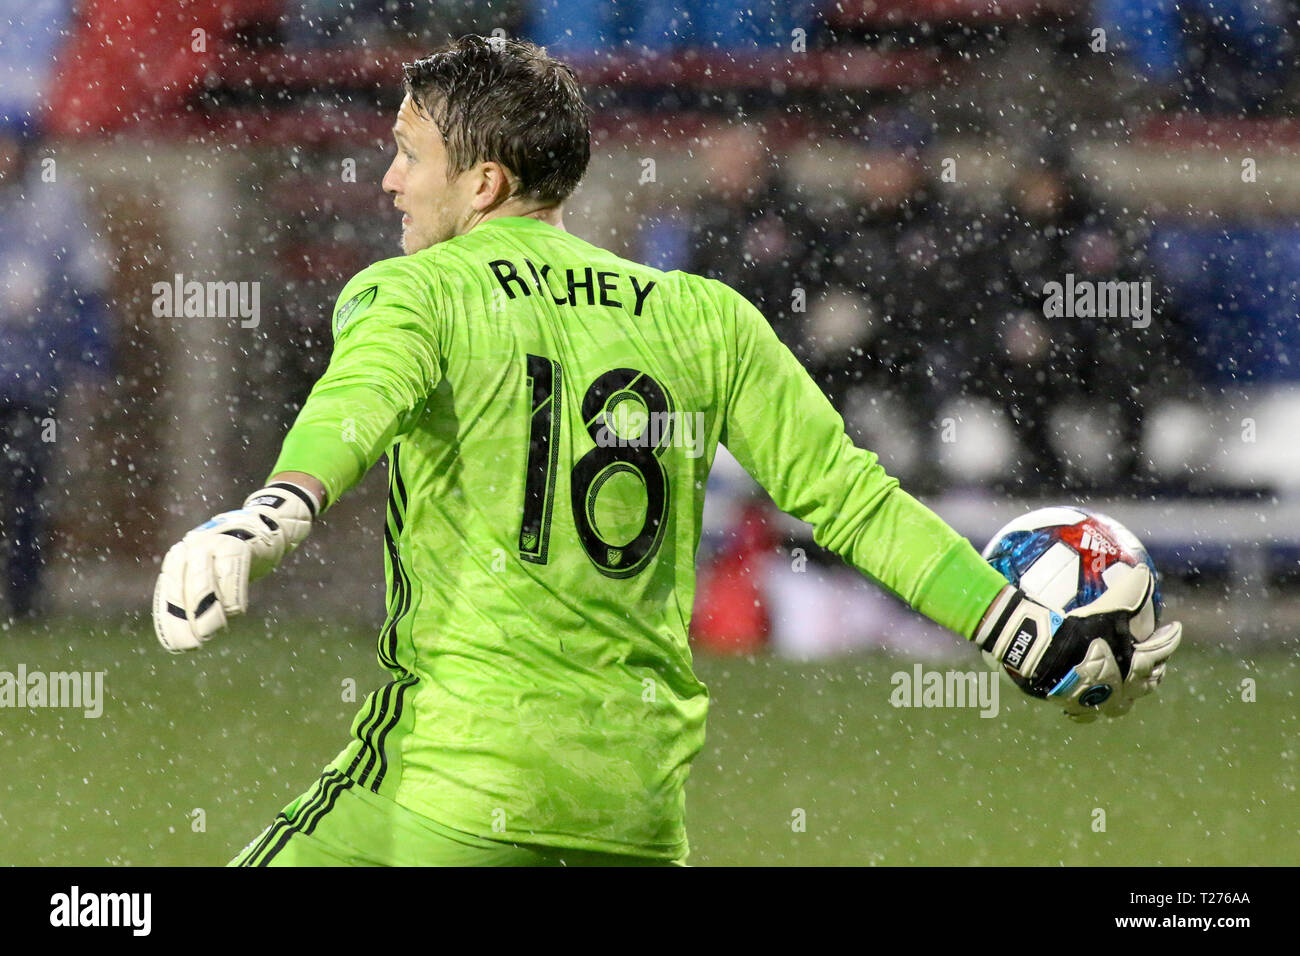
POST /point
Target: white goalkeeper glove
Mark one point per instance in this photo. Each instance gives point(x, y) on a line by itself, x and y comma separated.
point(1098, 659)
point(205, 578)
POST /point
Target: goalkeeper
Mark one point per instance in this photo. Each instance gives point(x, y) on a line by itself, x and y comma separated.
point(549, 412)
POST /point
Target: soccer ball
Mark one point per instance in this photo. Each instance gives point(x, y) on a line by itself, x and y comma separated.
point(1066, 557)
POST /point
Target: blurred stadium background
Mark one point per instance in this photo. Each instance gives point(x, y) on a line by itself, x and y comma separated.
point(892, 183)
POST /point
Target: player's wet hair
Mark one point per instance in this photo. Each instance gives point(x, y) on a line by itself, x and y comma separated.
point(506, 101)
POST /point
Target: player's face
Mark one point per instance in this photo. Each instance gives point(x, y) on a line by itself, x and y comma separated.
point(434, 207)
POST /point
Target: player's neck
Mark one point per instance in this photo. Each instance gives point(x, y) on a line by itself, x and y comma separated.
point(552, 215)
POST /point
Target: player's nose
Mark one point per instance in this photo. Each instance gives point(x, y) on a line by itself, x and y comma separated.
point(391, 182)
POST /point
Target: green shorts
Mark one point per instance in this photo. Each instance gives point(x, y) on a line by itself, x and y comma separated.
point(338, 824)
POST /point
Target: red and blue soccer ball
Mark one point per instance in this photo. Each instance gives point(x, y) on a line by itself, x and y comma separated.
point(1066, 557)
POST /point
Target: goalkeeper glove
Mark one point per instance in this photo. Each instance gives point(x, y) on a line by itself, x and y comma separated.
point(1099, 658)
point(205, 578)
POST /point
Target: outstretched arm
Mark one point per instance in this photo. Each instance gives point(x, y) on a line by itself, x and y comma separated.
point(384, 367)
point(779, 425)
point(790, 438)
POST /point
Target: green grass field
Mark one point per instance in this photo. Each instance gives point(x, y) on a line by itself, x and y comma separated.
point(1196, 776)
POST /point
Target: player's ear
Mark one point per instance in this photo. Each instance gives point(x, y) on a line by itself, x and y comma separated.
point(493, 185)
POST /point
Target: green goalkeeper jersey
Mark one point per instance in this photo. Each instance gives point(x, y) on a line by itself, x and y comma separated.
point(550, 413)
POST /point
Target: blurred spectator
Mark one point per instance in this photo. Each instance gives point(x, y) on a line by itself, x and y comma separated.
point(1217, 55)
point(748, 230)
point(52, 285)
point(1053, 228)
point(892, 288)
point(729, 615)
